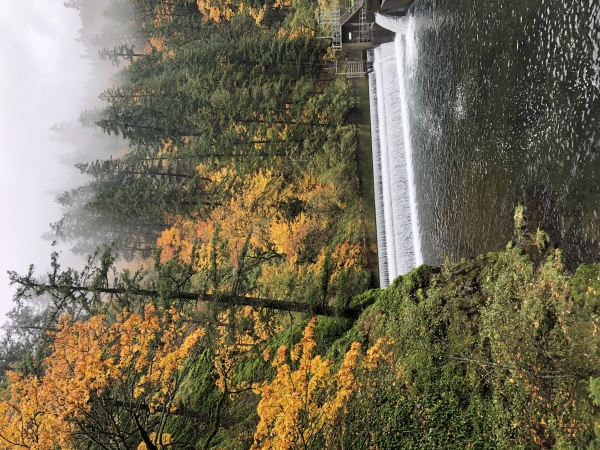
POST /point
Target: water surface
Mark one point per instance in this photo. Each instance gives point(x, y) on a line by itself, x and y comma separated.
point(504, 107)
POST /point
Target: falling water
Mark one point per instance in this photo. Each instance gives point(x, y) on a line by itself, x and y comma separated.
point(379, 208)
point(398, 236)
point(414, 215)
point(398, 25)
point(390, 247)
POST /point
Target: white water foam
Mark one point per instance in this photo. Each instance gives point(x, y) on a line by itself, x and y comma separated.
point(410, 48)
point(390, 247)
point(396, 24)
point(384, 279)
point(395, 195)
point(414, 210)
point(398, 173)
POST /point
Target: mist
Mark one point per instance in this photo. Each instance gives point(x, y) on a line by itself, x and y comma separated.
point(51, 73)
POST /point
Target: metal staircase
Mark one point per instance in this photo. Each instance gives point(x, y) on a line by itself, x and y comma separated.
point(338, 16)
point(332, 19)
point(364, 27)
point(350, 11)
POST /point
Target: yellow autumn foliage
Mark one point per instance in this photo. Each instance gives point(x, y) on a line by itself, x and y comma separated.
point(218, 11)
point(138, 358)
point(225, 10)
point(165, 442)
point(257, 210)
point(300, 408)
point(260, 217)
point(299, 404)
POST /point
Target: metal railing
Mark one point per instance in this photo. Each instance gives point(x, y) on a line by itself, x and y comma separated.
point(350, 11)
point(337, 17)
point(354, 69)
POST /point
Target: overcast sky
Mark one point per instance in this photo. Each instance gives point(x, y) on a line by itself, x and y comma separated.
point(42, 82)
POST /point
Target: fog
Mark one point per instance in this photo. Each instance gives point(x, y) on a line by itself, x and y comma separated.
point(49, 74)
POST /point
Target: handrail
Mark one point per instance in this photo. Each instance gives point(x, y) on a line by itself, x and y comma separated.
point(349, 12)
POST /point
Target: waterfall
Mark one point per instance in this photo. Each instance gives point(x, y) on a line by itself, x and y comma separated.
point(390, 247)
point(400, 47)
point(378, 180)
point(395, 198)
point(398, 25)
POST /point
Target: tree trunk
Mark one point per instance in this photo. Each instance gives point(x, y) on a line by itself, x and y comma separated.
point(227, 300)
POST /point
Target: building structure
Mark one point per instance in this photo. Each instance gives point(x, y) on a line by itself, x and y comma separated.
point(350, 24)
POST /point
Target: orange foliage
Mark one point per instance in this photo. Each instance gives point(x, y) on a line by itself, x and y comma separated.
point(157, 42)
point(164, 443)
point(298, 404)
point(257, 211)
point(177, 240)
point(224, 10)
point(218, 11)
point(285, 223)
point(136, 360)
point(293, 33)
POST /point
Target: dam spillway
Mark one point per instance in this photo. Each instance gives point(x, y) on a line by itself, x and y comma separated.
point(396, 209)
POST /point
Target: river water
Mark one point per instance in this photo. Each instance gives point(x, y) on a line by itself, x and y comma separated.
point(503, 102)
